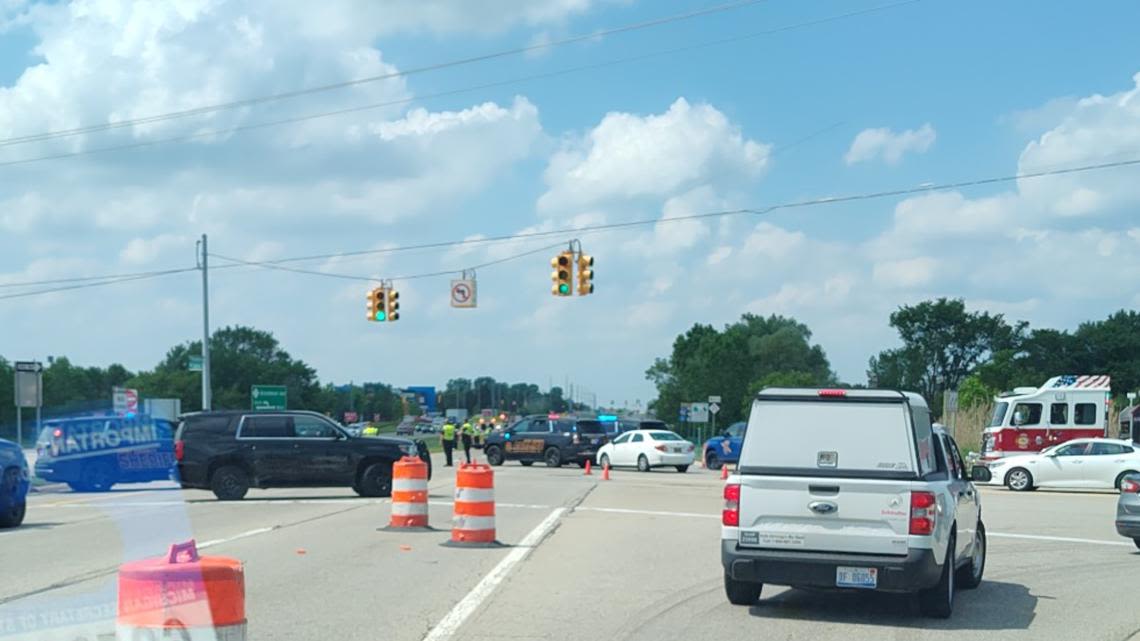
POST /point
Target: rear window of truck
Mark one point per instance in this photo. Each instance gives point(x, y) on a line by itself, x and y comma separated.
point(819, 438)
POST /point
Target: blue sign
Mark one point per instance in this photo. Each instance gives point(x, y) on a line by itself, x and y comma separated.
point(425, 397)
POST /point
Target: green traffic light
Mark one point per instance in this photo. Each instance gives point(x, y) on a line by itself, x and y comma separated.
point(564, 288)
point(380, 315)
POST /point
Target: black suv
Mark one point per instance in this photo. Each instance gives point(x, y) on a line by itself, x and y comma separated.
point(229, 452)
point(543, 438)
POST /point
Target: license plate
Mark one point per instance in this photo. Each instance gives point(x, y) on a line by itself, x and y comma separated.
point(863, 578)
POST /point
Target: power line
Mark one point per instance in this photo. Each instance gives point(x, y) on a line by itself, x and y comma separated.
point(567, 232)
point(447, 93)
point(387, 76)
point(80, 279)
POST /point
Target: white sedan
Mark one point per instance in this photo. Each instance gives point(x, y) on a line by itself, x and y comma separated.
point(1080, 463)
point(647, 449)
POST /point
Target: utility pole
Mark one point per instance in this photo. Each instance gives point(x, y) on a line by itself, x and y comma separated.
point(204, 265)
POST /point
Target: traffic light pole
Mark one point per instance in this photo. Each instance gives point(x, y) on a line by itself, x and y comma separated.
point(205, 326)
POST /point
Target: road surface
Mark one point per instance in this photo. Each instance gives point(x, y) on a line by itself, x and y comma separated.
point(635, 557)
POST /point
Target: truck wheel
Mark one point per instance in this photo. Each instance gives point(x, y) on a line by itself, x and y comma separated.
point(938, 601)
point(12, 505)
point(552, 457)
point(642, 464)
point(741, 592)
point(494, 455)
point(230, 483)
point(712, 461)
point(970, 575)
point(1120, 479)
point(1019, 480)
point(375, 481)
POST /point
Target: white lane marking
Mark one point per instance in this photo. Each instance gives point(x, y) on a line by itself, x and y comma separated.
point(236, 537)
point(89, 499)
point(450, 624)
point(1058, 539)
point(617, 510)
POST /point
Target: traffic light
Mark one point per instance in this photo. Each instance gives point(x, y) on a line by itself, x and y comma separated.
point(585, 274)
point(376, 309)
point(393, 307)
point(561, 274)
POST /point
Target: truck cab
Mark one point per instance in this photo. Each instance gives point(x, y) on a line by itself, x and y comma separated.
point(1030, 419)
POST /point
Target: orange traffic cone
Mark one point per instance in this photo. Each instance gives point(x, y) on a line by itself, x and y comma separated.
point(724, 471)
point(606, 472)
point(588, 472)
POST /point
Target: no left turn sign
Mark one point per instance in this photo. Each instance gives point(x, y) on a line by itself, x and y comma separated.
point(463, 292)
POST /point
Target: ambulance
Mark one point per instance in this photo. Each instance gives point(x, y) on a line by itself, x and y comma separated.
point(1030, 419)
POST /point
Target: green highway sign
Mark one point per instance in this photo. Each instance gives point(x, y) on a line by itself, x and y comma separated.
point(268, 397)
point(195, 364)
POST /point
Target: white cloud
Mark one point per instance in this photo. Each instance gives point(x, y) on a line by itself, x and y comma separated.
point(140, 251)
point(906, 273)
point(627, 156)
point(871, 144)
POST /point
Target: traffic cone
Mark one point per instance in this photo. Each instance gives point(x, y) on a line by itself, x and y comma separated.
point(724, 471)
point(606, 472)
point(588, 472)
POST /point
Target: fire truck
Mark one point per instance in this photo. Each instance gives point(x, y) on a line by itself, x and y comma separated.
point(1030, 419)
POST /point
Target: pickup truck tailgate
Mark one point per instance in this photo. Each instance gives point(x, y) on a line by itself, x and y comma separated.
point(862, 516)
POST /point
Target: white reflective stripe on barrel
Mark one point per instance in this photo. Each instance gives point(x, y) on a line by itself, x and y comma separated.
point(409, 485)
point(409, 509)
point(474, 495)
point(188, 633)
point(463, 522)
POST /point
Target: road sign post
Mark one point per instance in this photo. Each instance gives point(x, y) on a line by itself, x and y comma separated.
point(29, 392)
point(268, 397)
point(714, 407)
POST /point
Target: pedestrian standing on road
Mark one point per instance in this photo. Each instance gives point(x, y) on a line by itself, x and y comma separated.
point(447, 439)
point(467, 433)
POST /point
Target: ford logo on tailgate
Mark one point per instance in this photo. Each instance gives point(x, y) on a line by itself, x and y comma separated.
point(823, 507)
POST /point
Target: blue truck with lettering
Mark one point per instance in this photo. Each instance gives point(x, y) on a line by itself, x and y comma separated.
point(93, 453)
point(13, 484)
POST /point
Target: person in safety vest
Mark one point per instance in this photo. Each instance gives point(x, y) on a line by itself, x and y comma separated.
point(447, 439)
point(467, 433)
point(371, 430)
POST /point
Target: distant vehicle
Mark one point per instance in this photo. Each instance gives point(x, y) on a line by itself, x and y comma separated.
point(648, 449)
point(1080, 463)
point(228, 452)
point(14, 484)
point(623, 425)
point(725, 447)
point(1030, 419)
point(92, 454)
point(1128, 509)
point(555, 440)
point(864, 494)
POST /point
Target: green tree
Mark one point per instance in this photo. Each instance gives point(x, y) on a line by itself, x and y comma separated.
point(974, 393)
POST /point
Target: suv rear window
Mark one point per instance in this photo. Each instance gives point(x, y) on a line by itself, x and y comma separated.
point(266, 427)
point(212, 424)
point(591, 427)
point(832, 438)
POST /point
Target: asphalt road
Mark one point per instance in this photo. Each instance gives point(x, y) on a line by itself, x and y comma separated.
point(635, 557)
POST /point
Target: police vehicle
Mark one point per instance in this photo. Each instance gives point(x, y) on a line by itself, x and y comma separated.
point(13, 484)
point(725, 448)
point(553, 439)
point(93, 453)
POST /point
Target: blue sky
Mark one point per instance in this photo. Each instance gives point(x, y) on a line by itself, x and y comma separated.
point(914, 93)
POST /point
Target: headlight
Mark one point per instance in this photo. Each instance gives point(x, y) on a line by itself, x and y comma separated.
point(998, 463)
point(409, 449)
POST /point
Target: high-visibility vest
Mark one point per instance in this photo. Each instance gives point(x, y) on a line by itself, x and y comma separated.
point(449, 431)
point(468, 429)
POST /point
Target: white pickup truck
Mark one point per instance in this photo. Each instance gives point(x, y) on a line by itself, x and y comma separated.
point(850, 489)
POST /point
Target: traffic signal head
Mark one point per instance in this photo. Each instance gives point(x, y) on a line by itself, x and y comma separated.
point(393, 307)
point(561, 274)
point(585, 274)
point(376, 307)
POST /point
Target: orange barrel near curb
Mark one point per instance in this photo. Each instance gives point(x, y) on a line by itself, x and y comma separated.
point(474, 520)
point(181, 596)
point(409, 493)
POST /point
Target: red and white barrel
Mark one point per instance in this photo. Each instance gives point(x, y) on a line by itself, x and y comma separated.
point(409, 493)
point(182, 596)
point(474, 518)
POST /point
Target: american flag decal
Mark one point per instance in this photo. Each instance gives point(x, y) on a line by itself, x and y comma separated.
point(1072, 381)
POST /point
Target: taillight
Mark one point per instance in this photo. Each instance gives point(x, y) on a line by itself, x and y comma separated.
point(660, 448)
point(57, 433)
point(922, 511)
point(730, 516)
point(179, 450)
point(1129, 486)
point(832, 393)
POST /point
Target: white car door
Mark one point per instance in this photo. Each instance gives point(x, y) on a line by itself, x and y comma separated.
point(1065, 466)
point(1105, 462)
point(633, 448)
point(618, 446)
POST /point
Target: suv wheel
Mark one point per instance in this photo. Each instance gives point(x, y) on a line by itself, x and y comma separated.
point(12, 505)
point(1019, 480)
point(712, 461)
point(938, 601)
point(494, 454)
point(229, 483)
point(375, 481)
point(552, 457)
point(970, 575)
point(642, 464)
point(741, 592)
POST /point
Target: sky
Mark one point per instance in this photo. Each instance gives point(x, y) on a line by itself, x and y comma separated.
point(753, 105)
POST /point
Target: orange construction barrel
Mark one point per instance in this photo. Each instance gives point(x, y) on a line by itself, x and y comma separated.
point(473, 523)
point(182, 596)
point(409, 494)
